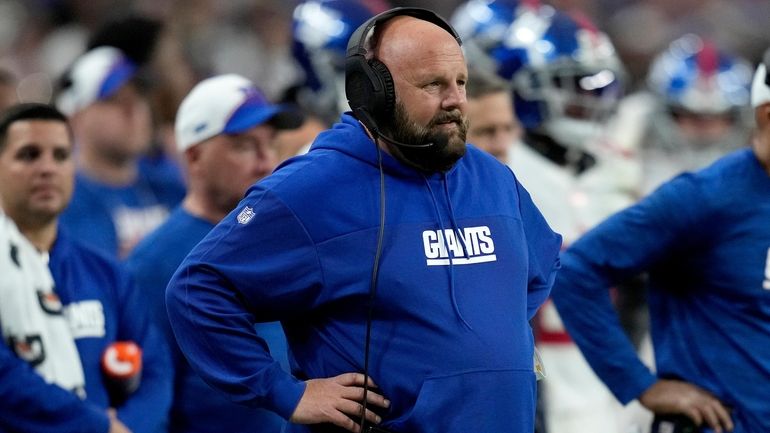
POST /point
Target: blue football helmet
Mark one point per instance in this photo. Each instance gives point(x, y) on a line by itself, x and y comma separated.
point(694, 76)
point(320, 31)
point(482, 24)
point(566, 76)
point(702, 97)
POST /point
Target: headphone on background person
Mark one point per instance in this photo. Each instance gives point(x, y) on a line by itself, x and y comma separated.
point(369, 85)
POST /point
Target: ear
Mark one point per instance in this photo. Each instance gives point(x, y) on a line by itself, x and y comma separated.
point(762, 116)
point(192, 155)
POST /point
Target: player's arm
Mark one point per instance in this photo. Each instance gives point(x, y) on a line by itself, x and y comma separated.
point(661, 226)
point(621, 247)
point(247, 272)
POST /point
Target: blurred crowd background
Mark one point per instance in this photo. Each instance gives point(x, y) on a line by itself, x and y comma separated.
point(39, 39)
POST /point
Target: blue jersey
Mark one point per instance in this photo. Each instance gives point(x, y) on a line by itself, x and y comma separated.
point(466, 261)
point(113, 219)
point(704, 238)
point(152, 264)
point(27, 403)
point(103, 306)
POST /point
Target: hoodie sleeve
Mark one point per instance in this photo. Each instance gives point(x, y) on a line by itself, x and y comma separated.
point(146, 409)
point(31, 405)
point(543, 245)
point(258, 265)
point(621, 247)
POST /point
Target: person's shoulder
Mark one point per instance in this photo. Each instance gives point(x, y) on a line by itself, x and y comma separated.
point(304, 175)
point(478, 159)
point(727, 172)
point(173, 237)
point(735, 161)
point(84, 184)
point(709, 191)
point(87, 194)
point(162, 177)
point(67, 248)
point(153, 245)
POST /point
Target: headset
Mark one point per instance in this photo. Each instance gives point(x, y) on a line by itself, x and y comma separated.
point(369, 85)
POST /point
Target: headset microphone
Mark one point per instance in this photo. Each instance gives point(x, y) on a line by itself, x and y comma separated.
point(366, 119)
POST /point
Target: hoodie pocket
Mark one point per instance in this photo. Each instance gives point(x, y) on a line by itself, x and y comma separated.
point(488, 401)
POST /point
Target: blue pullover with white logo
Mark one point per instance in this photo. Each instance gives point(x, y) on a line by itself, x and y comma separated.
point(466, 261)
point(704, 238)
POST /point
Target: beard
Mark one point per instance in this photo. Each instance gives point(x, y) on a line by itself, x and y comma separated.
point(447, 146)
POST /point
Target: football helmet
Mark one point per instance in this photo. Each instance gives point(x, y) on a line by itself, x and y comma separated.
point(694, 76)
point(565, 73)
point(703, 96)
point(482, 24)
point(699, 108)
point(320, 32)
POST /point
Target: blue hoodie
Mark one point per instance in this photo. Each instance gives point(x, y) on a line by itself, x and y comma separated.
point(704, 238)
point(451, 346)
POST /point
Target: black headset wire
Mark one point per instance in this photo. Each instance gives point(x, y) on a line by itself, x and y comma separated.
point(373, 282)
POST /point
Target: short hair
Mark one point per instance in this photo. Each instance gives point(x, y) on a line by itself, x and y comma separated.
point(28, 111)
point(482, 83)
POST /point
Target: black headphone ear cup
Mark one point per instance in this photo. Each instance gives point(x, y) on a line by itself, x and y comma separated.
point(357, 86)
point(384, 102)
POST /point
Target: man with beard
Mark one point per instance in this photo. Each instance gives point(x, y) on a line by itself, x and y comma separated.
point(403, 265)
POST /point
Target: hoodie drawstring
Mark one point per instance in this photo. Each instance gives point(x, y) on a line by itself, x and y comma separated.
point(456, 230)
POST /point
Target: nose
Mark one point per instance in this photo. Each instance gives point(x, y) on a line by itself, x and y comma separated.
point(454, 97)
point(47, 164)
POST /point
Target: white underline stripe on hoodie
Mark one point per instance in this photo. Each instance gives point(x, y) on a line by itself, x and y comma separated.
point(462, 260)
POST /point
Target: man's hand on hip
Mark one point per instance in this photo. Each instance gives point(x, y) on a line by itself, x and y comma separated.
point(338, 400)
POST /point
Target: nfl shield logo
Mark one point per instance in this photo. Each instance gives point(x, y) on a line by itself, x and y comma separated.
point(246, 215)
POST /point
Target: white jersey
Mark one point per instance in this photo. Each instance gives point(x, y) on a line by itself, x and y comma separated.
point(32, 322)
point(573, 203)
point(576, 401)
